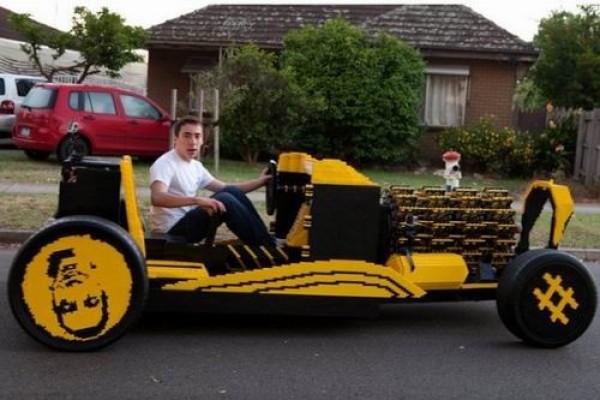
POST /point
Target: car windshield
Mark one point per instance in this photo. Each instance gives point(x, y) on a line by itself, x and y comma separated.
point(40, 97)
point(24, 85)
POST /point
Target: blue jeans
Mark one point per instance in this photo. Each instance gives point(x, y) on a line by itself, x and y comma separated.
point(241, 218)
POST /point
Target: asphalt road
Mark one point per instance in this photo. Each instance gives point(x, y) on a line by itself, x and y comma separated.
point(433, 351)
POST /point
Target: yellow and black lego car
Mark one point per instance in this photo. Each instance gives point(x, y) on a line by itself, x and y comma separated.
point(81, 281)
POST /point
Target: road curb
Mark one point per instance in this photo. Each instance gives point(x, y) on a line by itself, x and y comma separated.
point(7, 236)
point(20, 236)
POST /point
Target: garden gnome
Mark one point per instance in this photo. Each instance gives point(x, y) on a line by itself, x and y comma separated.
point(452, 172)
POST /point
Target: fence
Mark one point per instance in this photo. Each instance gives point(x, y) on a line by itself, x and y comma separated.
point(587, 156)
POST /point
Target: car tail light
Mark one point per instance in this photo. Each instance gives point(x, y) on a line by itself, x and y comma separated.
point(7, 107)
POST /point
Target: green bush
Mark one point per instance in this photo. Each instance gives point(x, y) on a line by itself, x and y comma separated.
point(484, 147)
point(555, 147)
point(361, 93)
point(255, 117)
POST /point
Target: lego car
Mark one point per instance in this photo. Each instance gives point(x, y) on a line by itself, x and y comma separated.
point(82, 280)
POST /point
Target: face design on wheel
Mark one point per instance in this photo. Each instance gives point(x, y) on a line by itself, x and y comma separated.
point(77, 287)
point(80, 304)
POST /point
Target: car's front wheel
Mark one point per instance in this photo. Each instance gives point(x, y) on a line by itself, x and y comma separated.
point(546, 298)
point(78, 283)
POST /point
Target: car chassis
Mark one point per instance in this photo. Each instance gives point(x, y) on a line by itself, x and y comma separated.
point(82, 280)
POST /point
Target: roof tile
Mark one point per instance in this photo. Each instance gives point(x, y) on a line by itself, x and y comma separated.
point(441, 26)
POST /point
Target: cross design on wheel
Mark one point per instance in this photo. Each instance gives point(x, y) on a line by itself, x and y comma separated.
point(566, 298)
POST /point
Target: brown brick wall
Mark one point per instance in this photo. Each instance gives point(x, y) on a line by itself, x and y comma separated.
point(164, 75)
point(491, 86)
point(490, 93)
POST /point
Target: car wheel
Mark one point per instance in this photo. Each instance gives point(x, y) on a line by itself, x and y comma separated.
point(546, 298)
point(37, 155)
point(78, 283)
point(65, 148)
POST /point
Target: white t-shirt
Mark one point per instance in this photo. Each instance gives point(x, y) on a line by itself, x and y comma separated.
point(183, 178)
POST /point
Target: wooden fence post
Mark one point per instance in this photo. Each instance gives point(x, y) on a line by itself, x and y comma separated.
point(594, 171)
point(173, 116)
point(578, 167)
point(216, 131)
point(587, 152)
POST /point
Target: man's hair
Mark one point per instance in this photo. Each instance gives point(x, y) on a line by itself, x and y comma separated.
point(188, 119)
point(55, 259)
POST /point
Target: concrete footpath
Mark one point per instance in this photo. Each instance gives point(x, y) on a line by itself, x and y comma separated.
point(11, 236)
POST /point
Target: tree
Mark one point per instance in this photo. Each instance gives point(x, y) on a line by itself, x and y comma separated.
point(102, 39)
point(362, 92)
point(256, 103)
point(527, 96)
point(567, 71)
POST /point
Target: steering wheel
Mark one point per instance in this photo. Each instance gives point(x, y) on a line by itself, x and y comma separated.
point(271, 187)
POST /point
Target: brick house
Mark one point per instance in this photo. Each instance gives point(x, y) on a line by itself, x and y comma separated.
point(472, 64)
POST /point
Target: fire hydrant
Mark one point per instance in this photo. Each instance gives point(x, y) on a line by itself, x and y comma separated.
point(452, 172)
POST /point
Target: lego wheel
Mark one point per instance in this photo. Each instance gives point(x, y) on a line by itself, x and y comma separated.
point(271, 188)
point(546, 298)
point(78, 283)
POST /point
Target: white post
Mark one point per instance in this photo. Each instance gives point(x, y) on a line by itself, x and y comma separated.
point(200, 104)
point(216, 131)
point(173, 116)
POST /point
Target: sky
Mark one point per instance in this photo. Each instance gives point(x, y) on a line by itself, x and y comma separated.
point(519, 17)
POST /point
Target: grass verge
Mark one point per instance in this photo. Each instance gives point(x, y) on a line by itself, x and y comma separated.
point(17, 168)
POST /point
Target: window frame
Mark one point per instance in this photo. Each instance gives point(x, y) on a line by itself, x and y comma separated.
point(459, 71)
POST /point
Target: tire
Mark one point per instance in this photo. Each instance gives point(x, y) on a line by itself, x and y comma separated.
point(37, 155)
point(546, 298)
point(65, 148)
point(78, 283)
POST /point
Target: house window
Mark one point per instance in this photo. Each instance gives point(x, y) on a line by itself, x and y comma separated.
point(446, 96)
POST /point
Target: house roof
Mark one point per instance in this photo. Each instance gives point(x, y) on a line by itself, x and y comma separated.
point(441, 27)
point(7, 31)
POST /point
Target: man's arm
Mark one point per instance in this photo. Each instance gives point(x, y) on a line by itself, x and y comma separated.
point(160, 197)
point(245, 187)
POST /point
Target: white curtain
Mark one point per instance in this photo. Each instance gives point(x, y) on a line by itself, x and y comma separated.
point(445, 100)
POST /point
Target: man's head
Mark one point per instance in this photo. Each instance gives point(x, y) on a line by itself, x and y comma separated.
point(80, 304)
point(188, 137)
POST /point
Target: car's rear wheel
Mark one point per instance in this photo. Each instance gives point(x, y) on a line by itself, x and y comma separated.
point(66, 147)
point(37, 155)
point(546, 298)
point(78, 283)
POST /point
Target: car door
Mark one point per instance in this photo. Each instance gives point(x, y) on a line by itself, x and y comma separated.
point(100, 120)
point(147, 130)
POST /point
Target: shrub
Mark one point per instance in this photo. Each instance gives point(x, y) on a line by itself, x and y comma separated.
point(555, 147)
point(255, 116)
point(484, 147)
point(361, 93)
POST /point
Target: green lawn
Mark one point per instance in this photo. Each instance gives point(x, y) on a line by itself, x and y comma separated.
point(16, 167)
point(30, 211)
